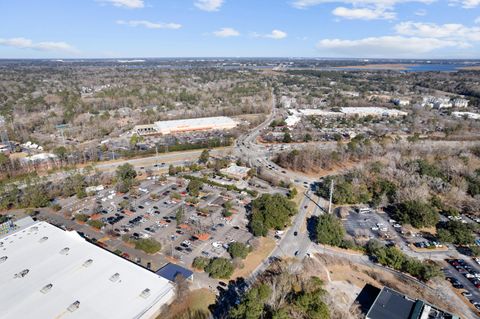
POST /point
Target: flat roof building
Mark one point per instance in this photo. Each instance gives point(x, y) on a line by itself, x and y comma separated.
point(394, 305)
point(235, 171)
point(46, 272)
point(372, 111)
point(187, 125)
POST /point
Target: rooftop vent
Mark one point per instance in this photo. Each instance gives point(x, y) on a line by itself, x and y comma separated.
point(21, 274)
point(64, 251)
point(3, 259)
point(41, 240)
point(115, 277)
point(34, 228)
point(145, 293)
point(46, 288)
point(74, 306)
point(87, 263)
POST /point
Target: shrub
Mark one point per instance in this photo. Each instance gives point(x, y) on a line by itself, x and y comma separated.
point(81, 218)
point(96, 224)
point(200, 262)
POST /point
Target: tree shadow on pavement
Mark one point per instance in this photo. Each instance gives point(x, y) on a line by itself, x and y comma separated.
point(312, 223)
point(228, 298)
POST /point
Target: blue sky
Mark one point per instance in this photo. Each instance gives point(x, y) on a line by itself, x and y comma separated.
point(240, 28)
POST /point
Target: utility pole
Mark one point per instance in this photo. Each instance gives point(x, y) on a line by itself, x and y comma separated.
point(331, 197)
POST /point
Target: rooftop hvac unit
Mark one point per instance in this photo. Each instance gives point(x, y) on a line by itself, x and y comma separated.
point(3, 259)
point(87, 263)
point(74, 306)
point(115, 277)
point(22, 274)
point(34, 228)
point(64, 251)
point(41, 240)
point(145, 293)
point(46, 288)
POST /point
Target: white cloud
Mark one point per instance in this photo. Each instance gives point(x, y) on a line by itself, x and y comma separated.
point(131, 4)
point(226, 33)
point(150, 25)
point(301, 4)
point(23, 43)
point(452, 31)
point(467, 4)
point(391, 46)
point(364, 13)
point(276, 34)
point(209, 5)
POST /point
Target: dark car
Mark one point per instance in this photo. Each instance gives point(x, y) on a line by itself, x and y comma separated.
point(179, 248)
point(295, 233)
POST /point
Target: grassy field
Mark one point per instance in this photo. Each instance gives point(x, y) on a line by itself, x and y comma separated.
point(197, 300)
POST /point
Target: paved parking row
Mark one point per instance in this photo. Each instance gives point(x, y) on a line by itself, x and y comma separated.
point(463, 275)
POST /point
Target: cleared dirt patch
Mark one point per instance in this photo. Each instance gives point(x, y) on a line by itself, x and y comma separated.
point(255, 258)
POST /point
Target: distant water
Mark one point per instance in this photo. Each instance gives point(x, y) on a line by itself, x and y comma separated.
point(435, 67)
point(427, 67)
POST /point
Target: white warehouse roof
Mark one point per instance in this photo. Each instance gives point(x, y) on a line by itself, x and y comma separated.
point(46, 272)
point(198, 124)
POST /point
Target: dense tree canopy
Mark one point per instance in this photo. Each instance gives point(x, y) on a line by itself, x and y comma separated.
point(329, 230)
point(271, 212)
point(456, 232)
point(220, 268)
point(416, 213)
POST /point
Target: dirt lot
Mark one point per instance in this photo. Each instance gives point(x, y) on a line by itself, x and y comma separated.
point(255, 258)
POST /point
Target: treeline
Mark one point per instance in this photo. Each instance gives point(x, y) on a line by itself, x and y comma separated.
point(36, 192)
point(396, 259)
point(359, 148)
point(11, 168)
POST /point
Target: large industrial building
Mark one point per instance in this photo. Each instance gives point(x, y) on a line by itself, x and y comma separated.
point(46, 272)
point(186, 125)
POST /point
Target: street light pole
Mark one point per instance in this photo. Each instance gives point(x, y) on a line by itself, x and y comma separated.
point(331, 197)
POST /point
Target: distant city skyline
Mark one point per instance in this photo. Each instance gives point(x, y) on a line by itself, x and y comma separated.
point(425, 29)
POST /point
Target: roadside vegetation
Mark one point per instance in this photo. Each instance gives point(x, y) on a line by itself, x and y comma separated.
point(271, 212)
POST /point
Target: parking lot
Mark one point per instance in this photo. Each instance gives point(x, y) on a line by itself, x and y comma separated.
point(465, 277)
point(150, 212)
point(367, 225)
